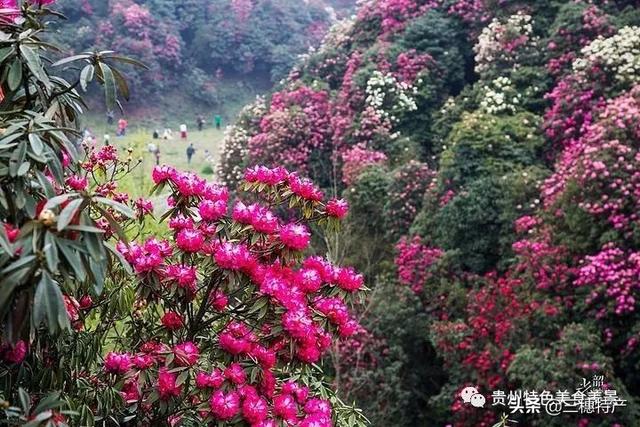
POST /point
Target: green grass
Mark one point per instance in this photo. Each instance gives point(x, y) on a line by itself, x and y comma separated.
point(172, 152)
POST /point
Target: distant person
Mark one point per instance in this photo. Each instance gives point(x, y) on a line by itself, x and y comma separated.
point(167, 134)
point(190, 152)
point(122, 127)
point(156, 134)
point(183, 131)
point(157, 154)
point(110, 117)
point(218, 120)
point(107, 139)
point(200, 122)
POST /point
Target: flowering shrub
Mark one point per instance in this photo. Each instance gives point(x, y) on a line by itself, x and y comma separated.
point(576, 25)
point(296, 125)
point(406, 194)
point(389, 97)
point(234, 151)
point(502, 43)
point(500, 97)
point(617, 55)
point(414, 260)
point(356, 159)
point(522, 270)
point(222, 319)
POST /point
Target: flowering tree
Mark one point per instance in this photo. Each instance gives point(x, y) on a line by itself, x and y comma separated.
point(222, 320)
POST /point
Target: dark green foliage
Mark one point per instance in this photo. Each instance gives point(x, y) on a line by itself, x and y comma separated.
point(395, 392)
point(443, 38)
point(483, 145)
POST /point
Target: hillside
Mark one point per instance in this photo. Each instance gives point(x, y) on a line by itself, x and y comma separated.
point(202, 55)
point(489, 153)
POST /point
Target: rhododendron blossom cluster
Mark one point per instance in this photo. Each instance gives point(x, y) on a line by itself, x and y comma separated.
point(229, 285)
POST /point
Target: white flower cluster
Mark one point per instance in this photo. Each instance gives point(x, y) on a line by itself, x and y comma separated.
point(448, 106)
point(234, 148)
point(618, 54)
point(338, 35)
point(500, 97)
point(390, 97)
point(500, 41)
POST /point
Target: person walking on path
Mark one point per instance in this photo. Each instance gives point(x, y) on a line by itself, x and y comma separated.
point(218, 120)
point(190, 153)
point(110, 117)
point(157, 154)
point(122, 127)
point(183, 131)
point(200, 122)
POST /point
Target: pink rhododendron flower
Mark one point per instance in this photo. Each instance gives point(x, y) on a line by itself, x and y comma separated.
point(212, 210)
point(305, 188)
point(190, 240)
point(337, 208)
point(348, 279)
point(218, 301)
point(224, 406)
point(77, 183)
point(186, 354)
point(285, 407)
point(143, 361)
point(184, 275)
point(172, 320)
point(235, 373)
point(295, 236)
point(254, 409)
point(210, 380)
point(167, 386)
point(117, 363)
point(14, 353)
point(143, 207)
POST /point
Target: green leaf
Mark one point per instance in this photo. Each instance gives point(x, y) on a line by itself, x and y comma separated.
point(71, 59)
point(51, 401)
point(182, 377)
point(25, 400)
point(18, 264)
point(126, 60)
point(123, 87)
point(23, 169)
point(36, 144)
point(73, 258)
point(58, 200)
point(109, 85)
point(123, 209)
point(14, 79)
point(35, 64)
point(48, 305)
point(86, 76)
point(120, 257)
point(51, 252)
point(67, 214)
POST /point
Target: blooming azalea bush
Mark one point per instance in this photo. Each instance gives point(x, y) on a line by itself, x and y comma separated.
point(229, 315)
point(503, 43)
point(512, 213)
point(224, 318)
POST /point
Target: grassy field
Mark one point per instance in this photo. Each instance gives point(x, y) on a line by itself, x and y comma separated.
point(172, 152)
